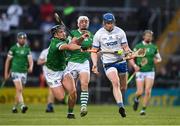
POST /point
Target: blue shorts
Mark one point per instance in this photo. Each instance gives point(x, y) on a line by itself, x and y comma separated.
point(120, 66)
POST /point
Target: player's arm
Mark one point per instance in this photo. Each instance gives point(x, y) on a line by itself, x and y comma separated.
point(79, 40)
point(94, 58)
point(157, 58)
point(41, 59)
point(134, 65)
point(30, 61)
point(126, 48)
point(70, 46)
point(7, 64)
point(94, 55)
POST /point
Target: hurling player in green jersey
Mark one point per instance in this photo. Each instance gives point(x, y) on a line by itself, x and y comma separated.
point(78, 62)
point(19, 62)
point(146, 66)
point(54, 70)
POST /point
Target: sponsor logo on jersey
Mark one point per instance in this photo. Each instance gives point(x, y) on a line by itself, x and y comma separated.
point(111, 43)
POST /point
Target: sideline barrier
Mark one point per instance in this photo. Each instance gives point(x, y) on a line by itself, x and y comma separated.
point(160, 97)
point(31, 95)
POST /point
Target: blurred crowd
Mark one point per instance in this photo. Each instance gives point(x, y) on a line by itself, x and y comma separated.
point(37, 18)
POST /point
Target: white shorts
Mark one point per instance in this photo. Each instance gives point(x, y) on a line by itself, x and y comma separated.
point(76, 68)
point(53, 78)
point(19, 76)
point(142, 75)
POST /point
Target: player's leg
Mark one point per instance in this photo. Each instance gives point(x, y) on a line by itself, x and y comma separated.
point(122, 70)
point(112, 75)
point(123, 84)
point(149, 81)
point(139, 90)
point(54, 81)
point(58, 92)
point(84, 76)
point(19, 79)
point(84, 79)
point(50, 100)
point(69, 85)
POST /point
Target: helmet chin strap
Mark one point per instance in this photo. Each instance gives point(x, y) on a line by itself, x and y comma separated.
point(147, 41)
point(83, 29)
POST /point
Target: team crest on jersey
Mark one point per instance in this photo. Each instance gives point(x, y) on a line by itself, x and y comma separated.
point(22, 52)
point(110, 38)
point(117, 37)
point(144, 61)
point(103, 39)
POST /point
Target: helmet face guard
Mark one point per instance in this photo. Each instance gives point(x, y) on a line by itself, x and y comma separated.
point(108, 18)
point(55, 28)
point(21, 35)
point(83, 18)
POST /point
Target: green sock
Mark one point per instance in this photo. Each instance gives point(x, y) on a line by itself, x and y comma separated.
point(21, 105)
point(84, 98)
point(70, 110)
point(143, 108)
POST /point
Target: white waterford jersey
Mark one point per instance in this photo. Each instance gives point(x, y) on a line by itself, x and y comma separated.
point(43, 55)
point(109, 41)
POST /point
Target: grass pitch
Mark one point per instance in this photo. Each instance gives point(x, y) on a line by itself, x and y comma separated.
point(97, 115)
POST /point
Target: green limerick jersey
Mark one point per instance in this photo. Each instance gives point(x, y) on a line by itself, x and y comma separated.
point(56, 59)
point(76, 55)
point(19, 56)
point(147, 62)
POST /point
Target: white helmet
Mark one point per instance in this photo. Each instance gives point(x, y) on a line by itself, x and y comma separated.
point(83, 18)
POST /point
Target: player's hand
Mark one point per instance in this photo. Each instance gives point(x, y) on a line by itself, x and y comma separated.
point(95, 69)
point(84, 49)
point(85, 35)
point(30, 69)
point(136, 67)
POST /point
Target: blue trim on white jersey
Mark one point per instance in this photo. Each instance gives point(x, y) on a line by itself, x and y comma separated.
point(96, 46)
point(120, 66)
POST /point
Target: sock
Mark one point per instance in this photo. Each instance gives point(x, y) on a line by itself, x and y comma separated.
point(144, 108)
point(21, 105)
point(84, 98)
point(123, 95)
point(120, 104)
point(70, 110)
point(49, 105)
point(136, 99)
point(15, 106)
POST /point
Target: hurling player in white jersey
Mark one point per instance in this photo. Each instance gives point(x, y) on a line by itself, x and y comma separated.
point(50, 99)
point(112, 38)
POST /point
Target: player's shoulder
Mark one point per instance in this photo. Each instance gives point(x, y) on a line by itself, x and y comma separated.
point(139, 44)
point(45, 50)
point(101, 30)
point(15, 46)
point(154, 45)
point(26, 46)
point(118, 29)
point(74, 31)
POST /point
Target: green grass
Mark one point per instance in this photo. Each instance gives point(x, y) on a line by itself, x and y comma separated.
point(97, 115)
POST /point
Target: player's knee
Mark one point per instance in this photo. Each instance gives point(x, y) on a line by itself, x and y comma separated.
point(19, 90)
point(123, 87)
point(140, 92)
point(60, 97)
point(148, 92)
point(116, 85)
point(84, 86)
